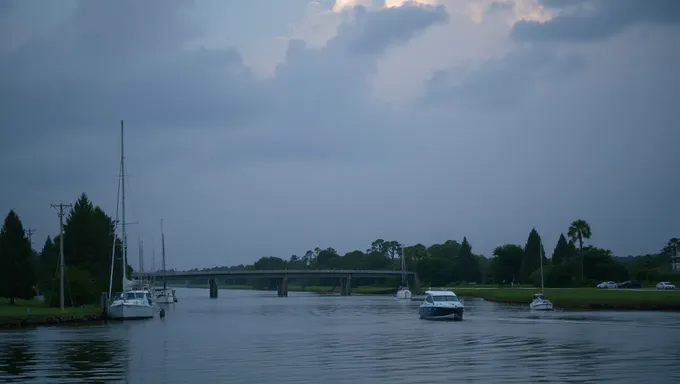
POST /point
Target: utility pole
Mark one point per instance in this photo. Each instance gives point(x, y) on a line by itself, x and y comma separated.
point(60, 209)
point(29, 233)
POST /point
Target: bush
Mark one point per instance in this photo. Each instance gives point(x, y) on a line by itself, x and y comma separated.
point(79, 289)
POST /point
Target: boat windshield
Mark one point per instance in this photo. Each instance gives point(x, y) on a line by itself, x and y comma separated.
point(134, 295)
point(445, 298)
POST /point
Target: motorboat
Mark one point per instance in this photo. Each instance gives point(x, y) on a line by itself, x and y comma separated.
point(164, 295)
point(404, 293)
point(132, 304)
point(540, 303)
point(441, 305)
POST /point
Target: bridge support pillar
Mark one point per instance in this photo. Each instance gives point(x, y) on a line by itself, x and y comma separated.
point(346, 286)
point(282, 290)
point(213, 287)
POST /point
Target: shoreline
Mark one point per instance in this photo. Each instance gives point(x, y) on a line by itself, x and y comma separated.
point(582, 298)
point(17, 322)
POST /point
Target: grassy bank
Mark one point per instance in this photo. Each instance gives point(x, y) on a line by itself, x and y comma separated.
point(34, 312)
point(586, 298)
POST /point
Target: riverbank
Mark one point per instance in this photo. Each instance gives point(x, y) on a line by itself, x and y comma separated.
point(31, 313)
point(581, 298)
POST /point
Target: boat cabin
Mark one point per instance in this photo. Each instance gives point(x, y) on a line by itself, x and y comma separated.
point(539, 296)
point(440, 296)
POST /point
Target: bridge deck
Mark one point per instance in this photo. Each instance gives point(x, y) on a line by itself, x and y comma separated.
point(281, 273)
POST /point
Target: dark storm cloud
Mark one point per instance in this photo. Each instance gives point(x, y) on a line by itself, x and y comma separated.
point(501, 83)
point(192, 114)
point(596, 19)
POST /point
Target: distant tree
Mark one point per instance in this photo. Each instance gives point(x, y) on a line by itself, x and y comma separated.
point(533, 250)
point(578, 231)
point(506, 265)
point(467, 263)
point(562, 250)
point(48, 260)
point(17, 273)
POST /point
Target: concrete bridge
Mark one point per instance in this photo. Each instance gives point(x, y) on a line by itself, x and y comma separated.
point(345, 276)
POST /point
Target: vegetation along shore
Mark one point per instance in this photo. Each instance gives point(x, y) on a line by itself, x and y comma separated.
point(574, 265)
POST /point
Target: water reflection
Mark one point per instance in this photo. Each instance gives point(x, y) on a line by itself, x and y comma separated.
point(91, 358)
point(16, 360)
point(250, 337)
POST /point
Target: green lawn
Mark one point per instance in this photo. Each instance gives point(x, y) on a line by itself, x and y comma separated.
point(581, 297)
point(30, 308)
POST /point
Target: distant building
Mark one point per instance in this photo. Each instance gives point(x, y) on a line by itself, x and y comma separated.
point(675, 260)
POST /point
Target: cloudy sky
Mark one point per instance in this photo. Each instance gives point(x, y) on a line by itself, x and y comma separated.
point(263, 127)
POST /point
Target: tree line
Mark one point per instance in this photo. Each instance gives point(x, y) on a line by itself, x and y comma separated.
point(572, 262)
point(89, 236)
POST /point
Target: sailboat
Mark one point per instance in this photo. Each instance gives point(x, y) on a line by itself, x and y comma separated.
point(403, 292)
point(540, 303)
point(132, 303)
point(164, 295)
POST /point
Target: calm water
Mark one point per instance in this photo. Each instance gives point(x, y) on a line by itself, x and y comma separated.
point(256, 337)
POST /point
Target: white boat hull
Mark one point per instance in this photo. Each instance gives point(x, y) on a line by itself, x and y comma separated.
point(404, 294)
point(129, 311)
point(541, 306)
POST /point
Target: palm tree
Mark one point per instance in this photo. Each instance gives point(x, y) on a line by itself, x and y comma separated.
point(579, 230)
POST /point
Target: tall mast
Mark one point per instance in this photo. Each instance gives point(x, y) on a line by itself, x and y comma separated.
point(403, 265)
point(540, 257)
point(163, 252)
point(141, 261)
point(122, 201)
point(153, 261)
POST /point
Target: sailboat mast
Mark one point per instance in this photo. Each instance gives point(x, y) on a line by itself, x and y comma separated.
point(122, 203)
point(163, 254)
point(141, 261)
point(153, 261)
point(403, 265)
point(540, 257)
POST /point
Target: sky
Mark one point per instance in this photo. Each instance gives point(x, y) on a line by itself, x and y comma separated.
point(267, 128)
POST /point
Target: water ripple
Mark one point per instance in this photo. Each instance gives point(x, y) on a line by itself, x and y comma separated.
point(246, 337)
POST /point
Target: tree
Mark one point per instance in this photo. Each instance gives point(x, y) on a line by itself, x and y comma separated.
point(578, 231)
point(468, 266)
point(506, 265)
point(532, 251)
point(562, 250)
point(48, 260)
point(89, 235)
point(17, 273)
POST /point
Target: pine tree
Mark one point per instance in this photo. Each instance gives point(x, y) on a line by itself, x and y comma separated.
point(17, 272)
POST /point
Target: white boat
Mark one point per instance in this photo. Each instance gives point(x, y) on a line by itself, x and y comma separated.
point(403, 292)
point(164, 296)
point(540, 303)
point(132, 303)
point(441, 305)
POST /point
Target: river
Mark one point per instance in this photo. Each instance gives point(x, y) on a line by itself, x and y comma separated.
point(258, 338)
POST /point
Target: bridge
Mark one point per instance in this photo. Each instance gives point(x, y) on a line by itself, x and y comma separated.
point(345, 276)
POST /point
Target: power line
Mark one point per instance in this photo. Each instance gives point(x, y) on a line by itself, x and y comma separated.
point(60, 209)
